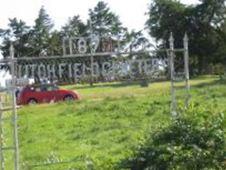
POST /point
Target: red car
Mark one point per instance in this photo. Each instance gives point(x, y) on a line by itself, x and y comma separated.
point(32, 94)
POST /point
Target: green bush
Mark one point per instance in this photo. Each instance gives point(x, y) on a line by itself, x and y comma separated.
point(191, 141)
point(218, 69)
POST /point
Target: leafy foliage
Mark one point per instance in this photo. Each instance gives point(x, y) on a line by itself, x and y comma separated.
point(74, 27)
point(41, 33)
point(204, 23)
point(18, 31)
point(42, 40)
point(192, 141)
point(104, 22)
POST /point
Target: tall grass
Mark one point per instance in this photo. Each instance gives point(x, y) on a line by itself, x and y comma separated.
point(105, 127)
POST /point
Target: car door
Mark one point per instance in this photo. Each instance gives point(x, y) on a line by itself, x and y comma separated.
point(46, 94)
point(56, 93)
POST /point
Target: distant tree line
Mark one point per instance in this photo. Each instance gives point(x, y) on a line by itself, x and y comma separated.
point(43, 39)
point(204, 23)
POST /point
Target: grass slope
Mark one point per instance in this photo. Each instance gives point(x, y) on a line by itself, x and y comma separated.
point(105, 126)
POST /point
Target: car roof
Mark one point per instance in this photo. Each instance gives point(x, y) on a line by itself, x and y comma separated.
point(39, 85)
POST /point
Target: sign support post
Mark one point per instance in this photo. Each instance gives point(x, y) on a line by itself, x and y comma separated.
point(14, 110)
point(63, 47)
point(91, 58)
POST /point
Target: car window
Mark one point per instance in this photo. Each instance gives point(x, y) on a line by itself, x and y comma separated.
point(49, 88)
point(52, 88)
point(37, 89)
point(43, 88)
point(55, 87)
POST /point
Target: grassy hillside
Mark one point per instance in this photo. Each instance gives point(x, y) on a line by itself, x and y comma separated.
point(106, 125)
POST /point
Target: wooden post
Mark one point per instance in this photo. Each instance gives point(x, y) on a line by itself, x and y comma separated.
point(186, 70)
point(173, 95)
point(14, 111)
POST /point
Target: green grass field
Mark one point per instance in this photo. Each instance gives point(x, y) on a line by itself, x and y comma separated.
point(106, 125)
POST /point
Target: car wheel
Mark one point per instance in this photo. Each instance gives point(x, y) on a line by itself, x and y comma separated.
point(32, 101)
point(69, 98)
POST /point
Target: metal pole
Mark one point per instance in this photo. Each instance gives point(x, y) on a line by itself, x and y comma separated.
point(173, 95)
point(64, 48)
point(70, 46)
point(14, 111)
point(186, 69)
point(91, 78)
point(91, 57)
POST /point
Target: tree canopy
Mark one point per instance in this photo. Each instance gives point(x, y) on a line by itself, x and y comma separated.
point(204, 23)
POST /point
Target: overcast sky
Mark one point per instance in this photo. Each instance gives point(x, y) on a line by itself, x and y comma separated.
point(131, 12)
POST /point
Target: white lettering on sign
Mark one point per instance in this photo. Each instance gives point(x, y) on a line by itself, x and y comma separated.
point(76, 68)
point(33, 66)
point(96, 70)
point(82, 47)
point(109, 69)
point(69, 71)
point(41, 71)
point(26, 70)
point(106, 66)
point(61, 69)
point(94, 43)
point(51, 71)
point(89, 44)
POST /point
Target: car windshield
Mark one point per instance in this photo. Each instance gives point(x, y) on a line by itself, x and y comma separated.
point(55, 87)
point(41, 88)
point(49, 87)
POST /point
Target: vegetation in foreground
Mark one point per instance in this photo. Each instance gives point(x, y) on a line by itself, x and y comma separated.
point(106, 126)
point(194, 140)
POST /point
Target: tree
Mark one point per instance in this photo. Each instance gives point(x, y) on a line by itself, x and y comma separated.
point(137, 41)
point(104, 22)
point(202, 22)
point(166, 16)
point(18, 33)
point(208, 19)
point(41, 33)
point(55, 43)
point(74, 27)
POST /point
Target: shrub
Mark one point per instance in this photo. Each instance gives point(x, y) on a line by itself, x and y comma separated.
point(191, 141)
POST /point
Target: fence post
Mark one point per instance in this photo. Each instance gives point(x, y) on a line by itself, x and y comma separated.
point(173, 95)
point(14, 110)
point(186, 69)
